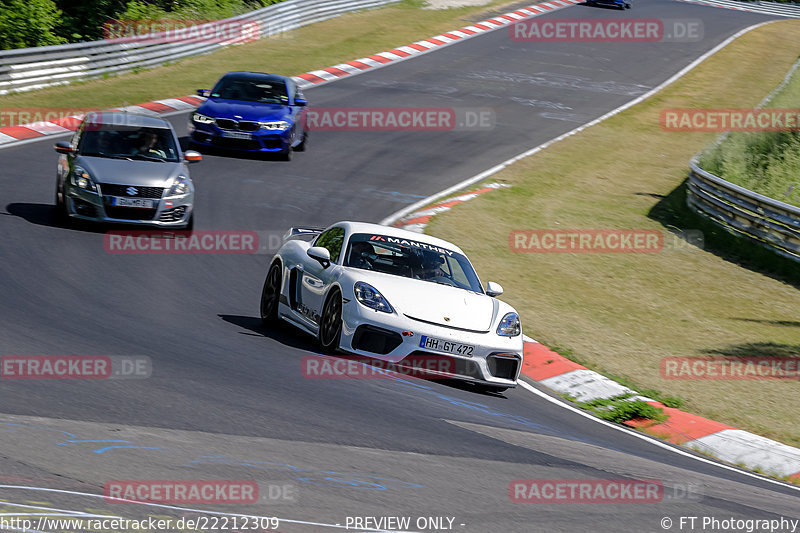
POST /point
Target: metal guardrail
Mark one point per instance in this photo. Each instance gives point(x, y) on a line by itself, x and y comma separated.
point(773, 223)
point(46, 66)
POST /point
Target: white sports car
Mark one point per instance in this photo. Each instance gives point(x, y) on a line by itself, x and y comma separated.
point(393, 295)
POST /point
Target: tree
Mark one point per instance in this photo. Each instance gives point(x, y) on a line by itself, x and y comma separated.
point(82, 20)
point(27, 23)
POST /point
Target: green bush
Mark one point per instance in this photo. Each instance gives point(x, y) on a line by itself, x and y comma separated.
point(621, 409)
point(764, 162)
point(27, 23)
point(190, 9)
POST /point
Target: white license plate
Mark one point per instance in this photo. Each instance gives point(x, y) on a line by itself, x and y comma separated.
point(144, 203)
point(441, 345)
point(237, 135)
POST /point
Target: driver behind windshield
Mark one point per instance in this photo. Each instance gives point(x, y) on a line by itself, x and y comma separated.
point(360, 253)
point(430, 267)
point(149, 146)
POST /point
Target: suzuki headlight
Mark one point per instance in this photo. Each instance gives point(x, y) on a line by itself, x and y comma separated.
point(509, 325)
point(202, 119)
point(277, 125)
point(82, 179)
point(180, 185)
point(368, 296)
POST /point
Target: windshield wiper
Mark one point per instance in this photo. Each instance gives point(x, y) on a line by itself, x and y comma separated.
point(107, 156)
point(148, 157)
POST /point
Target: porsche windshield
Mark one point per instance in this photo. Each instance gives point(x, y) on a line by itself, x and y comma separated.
point(411, 259)
point(251, 90)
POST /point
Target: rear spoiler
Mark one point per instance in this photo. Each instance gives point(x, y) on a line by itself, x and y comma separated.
point(300, 233)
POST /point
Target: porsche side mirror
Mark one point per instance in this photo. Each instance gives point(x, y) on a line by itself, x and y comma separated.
point(320, 254)
point(203, 92)
point(493, 289)
point(300, 102)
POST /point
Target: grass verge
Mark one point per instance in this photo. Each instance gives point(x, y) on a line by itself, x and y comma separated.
point(625, 312)
point(765, 162)
point(319, 45)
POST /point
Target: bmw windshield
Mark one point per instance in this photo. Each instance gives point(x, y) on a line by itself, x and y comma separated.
point(251, 90)
point(411, 259)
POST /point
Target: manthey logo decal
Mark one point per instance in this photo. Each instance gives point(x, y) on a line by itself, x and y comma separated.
point(411, 244)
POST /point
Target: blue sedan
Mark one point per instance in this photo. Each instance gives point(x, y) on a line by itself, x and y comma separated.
point(253, 112)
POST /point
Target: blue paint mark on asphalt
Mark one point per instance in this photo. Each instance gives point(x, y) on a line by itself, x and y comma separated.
point(81, 441)
point(104, 450)
point(308, 475)
point(458, 402)
point(489, 411)
point(328, 479)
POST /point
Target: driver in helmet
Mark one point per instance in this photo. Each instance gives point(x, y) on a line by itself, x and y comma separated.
point(360, 255)
point(431, 267)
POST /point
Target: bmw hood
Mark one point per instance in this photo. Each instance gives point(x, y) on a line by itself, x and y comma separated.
point(437, 304)
point(238, 110)
point(125, 172)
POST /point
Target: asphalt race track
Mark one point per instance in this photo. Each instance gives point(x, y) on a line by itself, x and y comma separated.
point(227, 399)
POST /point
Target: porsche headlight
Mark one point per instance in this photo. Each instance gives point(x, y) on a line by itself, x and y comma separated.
point(180, 185)
point(509, 325)
point(277, 125)
point(202, 119)
point(82, 179)
point(368, 296)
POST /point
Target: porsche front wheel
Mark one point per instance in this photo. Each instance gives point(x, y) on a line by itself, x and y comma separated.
point(270, 296)
point(330, 326)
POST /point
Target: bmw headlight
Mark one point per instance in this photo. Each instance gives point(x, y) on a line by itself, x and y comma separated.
point(277, 125)
point(82, 179)
point(509, 325)
point(180, 185)
point(202, 119)
point(368, 296)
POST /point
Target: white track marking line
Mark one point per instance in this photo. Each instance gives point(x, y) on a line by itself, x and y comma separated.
point(497, 168)
point(527, 386)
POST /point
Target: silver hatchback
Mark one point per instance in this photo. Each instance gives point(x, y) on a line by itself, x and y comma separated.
point(125, 168)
